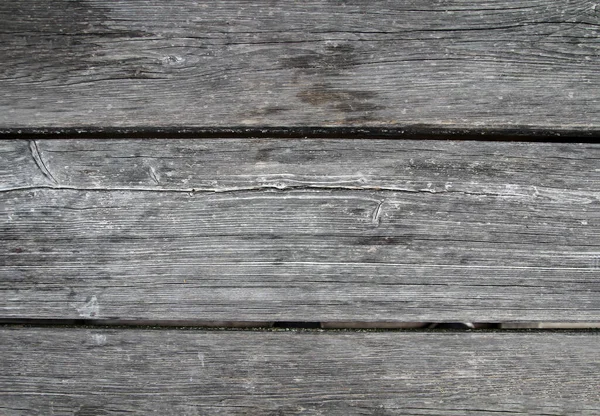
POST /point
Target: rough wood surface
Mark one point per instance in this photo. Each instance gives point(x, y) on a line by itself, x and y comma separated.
point(300, 230)
point(490, 64)
point(105, 372)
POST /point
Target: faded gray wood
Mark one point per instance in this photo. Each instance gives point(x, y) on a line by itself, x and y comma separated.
point(104, 372)
point(300, 230)
point(476, 64)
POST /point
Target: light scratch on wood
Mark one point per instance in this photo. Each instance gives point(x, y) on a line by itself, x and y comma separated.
point(37, 157)
point(377, 213)
point(154, 175)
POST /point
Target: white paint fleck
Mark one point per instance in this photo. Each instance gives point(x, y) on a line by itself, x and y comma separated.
point(90, 309)
point(201, 358)
point(99, 339)
point(172, 60)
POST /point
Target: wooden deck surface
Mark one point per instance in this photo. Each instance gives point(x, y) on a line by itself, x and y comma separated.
point(220, 164)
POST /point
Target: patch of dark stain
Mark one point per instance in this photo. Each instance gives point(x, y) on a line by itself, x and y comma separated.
point(359, 120)
point(17, 250)
point(328, 62)
point(322, 94)
point(345, 101)
point(353, 106)
point(283, 155)
point(263, 155)
point(300, 61)
point(299, 157)
point(358, 211)
point(152, 213)
point(266, 111)
point(384, 240)
point(332, 58)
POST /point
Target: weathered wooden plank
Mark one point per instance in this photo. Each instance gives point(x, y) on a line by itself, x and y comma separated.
point(489, 64)
point(101, 372)
point(300, 230)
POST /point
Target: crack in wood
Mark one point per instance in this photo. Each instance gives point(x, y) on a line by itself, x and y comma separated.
point(37, 157)
point(377, 213)
point(268, 187)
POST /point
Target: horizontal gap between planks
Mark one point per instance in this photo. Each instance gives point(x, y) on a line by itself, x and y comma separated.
point(523, 134)
point(297, 325)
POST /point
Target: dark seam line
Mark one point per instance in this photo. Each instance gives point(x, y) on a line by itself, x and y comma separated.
point(277, 326)
point(421, 132)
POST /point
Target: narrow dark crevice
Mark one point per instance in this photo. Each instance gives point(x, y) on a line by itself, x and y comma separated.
point(296, 325)
point(278, 326)
point(415, 132)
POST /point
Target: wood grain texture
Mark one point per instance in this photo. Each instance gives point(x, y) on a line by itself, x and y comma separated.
point(300, 230)
point(485, 64)
point(105, 372)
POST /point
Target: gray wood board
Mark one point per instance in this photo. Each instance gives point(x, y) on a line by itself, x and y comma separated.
point(455, 64)
point(300, 230)
point(54, 371)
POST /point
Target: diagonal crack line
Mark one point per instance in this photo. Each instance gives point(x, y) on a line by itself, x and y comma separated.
point(154, 176)
point(37, 157)
point(377, 213)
